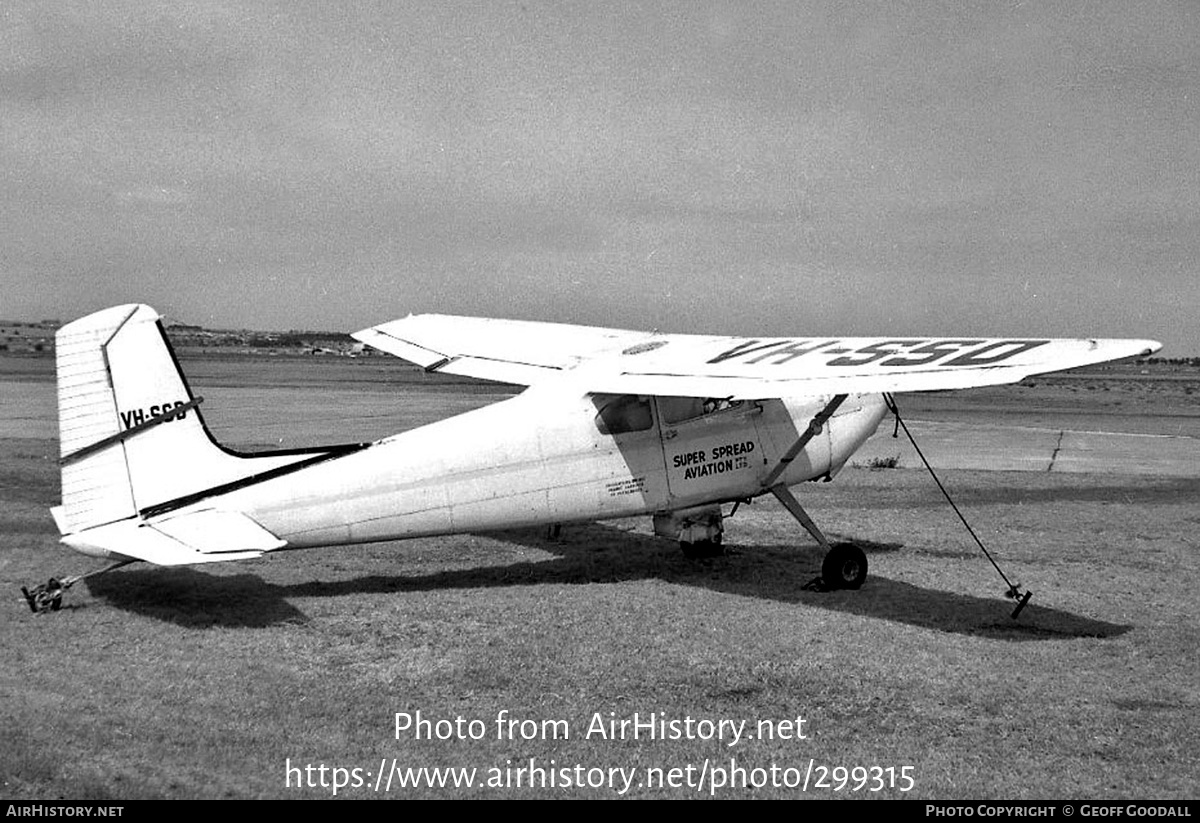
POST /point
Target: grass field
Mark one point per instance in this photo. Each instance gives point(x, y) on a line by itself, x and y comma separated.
point(209, 682)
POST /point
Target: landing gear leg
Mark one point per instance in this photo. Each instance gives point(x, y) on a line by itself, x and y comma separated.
point(845, 565)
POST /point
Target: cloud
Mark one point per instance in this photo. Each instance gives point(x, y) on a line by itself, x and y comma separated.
point(912, 167)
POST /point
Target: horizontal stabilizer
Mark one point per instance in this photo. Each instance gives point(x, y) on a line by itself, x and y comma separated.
point(199, 537)
point(214, 532)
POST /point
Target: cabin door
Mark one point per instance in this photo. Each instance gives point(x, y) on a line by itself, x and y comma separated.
point(711, 448)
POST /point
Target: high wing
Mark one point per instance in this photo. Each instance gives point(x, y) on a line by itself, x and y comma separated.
point(628, 362)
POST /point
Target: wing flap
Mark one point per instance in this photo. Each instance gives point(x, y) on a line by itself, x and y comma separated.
point(523, 352)
point(390, 343)
point(499, 371)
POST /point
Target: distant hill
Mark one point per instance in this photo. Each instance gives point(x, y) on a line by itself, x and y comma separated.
point(23, 337)
point(184, 336)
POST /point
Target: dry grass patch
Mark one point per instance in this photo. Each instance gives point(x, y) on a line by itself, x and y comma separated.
point(204, 682)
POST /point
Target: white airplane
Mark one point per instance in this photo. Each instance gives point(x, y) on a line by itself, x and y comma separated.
point(612, 424)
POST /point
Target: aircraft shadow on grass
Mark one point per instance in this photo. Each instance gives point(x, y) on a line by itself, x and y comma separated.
point(599, 553)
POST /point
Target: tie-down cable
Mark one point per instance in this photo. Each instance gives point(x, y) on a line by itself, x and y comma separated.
point(1014, 589)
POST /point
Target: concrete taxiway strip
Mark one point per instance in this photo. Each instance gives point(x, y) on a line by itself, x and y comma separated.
point(28, 410)
point(1015, 448)
point(289, 417)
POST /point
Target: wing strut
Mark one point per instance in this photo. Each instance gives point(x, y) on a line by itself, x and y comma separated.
point(814, 428)
point(845, 565)
point(1014, 589)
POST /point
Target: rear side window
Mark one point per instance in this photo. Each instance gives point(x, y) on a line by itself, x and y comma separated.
point(623, 413)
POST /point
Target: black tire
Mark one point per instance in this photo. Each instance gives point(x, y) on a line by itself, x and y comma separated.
point(845, 567)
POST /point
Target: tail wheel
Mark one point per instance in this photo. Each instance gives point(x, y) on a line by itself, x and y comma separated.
point(845, 567)
point(45, 597)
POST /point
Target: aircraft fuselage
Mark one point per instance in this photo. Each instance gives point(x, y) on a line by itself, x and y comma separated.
point(542, 458)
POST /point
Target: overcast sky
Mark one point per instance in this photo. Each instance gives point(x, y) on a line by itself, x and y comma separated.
point(832, 168)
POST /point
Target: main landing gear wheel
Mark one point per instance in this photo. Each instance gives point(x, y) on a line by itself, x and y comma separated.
point(845, 567)
point(702, 549)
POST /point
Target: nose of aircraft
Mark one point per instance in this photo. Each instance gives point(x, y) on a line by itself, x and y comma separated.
point(852, 425)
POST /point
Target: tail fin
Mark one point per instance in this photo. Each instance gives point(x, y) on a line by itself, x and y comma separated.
point(132, 439)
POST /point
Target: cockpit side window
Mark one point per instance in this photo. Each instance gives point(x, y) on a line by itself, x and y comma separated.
point(720, 404)
point(623, 413)
point(678, 409)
